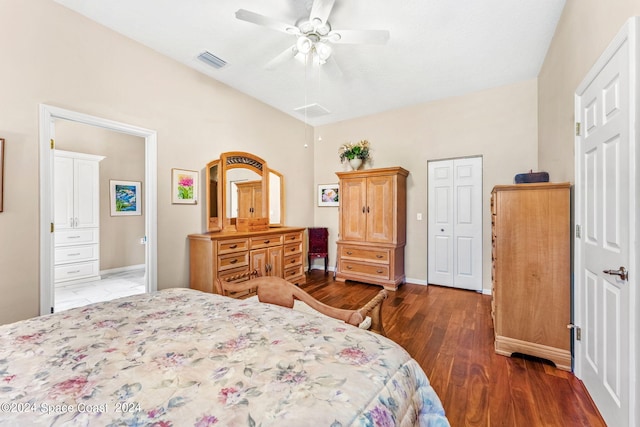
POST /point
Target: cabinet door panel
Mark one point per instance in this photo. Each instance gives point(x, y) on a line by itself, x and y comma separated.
point(353, 200)
point(87, 203)
point(380, 209)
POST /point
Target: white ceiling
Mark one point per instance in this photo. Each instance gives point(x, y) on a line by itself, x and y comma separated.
point(436, 49)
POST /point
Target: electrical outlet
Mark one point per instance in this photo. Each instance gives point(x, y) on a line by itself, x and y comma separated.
point(419, 216)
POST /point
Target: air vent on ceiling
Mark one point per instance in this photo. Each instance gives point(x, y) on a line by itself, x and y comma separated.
point(312, 110)
point(211, 59)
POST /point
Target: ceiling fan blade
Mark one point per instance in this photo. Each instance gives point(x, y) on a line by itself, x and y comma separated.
point(265, 21)
point(321, 10)
point(286, 55)
point(359, 36)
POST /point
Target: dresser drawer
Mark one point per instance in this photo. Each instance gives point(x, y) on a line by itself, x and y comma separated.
point(76, 237)
point(292, 260)
point(265, 241)
point(293, 248)
point(365, 254)
point(363, 269)
point(81, 270)
point(67, 254)
point(233, 260)
point(234, 245)
point(293, 237)
point(293, 273)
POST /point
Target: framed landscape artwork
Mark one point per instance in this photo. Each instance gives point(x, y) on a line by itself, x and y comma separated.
point(126, 198)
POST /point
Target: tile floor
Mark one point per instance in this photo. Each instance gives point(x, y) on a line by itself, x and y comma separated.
point(110, 286)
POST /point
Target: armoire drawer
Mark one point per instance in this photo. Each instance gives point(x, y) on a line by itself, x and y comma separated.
point(293, 248)
point(67, 254)
point(79, 236)
point(80, 270)
point(293, 237)
point(365, 254)
point(373, 270)
point(291, 273)
point(292, 260)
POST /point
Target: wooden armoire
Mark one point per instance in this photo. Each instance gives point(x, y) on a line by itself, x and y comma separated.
point(531, 274)
point(372, 226)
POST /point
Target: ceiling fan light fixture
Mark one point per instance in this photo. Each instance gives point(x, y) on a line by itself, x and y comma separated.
point(304, 44)
point(324, 51)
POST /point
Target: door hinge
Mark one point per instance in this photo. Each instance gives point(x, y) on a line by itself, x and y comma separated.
point(577, 330)
point(52, 227)
point(51, 310)
point(577, 128)
point(53, 144)
point(578, 231)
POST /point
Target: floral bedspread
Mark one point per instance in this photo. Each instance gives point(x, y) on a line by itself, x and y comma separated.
point(181, 357)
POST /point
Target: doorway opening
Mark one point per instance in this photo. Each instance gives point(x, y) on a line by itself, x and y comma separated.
point(48, 117)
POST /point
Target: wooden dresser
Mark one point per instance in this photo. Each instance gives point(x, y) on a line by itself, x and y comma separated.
point(531, 270)
point(372, 226)
point(275, 252)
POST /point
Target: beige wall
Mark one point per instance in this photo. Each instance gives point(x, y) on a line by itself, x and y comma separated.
point(500, 124)
point(584, 31)
point(54, 56)
point(124, 161)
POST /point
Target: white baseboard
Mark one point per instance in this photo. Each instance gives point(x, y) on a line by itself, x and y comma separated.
point(121, 269)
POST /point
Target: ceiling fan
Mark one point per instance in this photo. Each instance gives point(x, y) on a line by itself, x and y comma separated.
point(315, 34)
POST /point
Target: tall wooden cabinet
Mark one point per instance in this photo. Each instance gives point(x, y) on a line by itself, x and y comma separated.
point(372, 226)
point(531, 270)
point(76, 216)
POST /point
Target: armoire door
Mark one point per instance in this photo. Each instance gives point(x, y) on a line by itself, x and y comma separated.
point(455, 223)
point(353, 201)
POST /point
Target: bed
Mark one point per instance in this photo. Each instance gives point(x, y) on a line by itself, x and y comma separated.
point(183, 357)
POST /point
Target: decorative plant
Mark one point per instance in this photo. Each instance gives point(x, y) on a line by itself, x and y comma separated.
point(359, 150)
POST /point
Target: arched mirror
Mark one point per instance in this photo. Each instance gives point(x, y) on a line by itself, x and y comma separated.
point(241, 188)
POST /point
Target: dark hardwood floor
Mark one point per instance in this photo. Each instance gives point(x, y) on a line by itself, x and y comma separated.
point(450, 333)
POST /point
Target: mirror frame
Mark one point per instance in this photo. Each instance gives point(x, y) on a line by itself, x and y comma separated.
point(214, 222)
point(240, 159)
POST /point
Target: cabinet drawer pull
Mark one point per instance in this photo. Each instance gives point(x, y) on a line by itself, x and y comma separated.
point(76, 254)
point(73, 237)
point(379, 271)
point(267, 241)
point(73, 272)
point(293, 249)
point(293, 261)
point(233, 246)
point(349, 253)
point(233, 261)
point(363, 209)
point(379, 256)
point(349, 267)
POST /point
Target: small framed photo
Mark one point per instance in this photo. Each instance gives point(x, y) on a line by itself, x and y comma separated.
point(328, 195)
point(126, 198)
point(184, 187)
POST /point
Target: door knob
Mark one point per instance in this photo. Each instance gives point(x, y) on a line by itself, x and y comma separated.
point(622, 272)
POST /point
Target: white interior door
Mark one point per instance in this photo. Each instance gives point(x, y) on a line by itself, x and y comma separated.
point(455, 223)
point(605, 194)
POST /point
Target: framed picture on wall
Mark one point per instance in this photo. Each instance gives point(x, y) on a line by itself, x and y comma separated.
point(328, 195)
point(184, 187)
point(1, 172)
point(125, 198)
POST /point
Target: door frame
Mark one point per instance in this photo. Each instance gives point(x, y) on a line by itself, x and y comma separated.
point(48, 115)
point(629, 34)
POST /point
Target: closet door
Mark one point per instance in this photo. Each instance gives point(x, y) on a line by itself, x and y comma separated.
point(455, 223)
